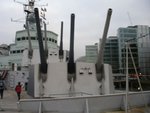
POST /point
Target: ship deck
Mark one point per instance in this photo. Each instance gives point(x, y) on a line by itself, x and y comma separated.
point(134, 110)
point(9, 104)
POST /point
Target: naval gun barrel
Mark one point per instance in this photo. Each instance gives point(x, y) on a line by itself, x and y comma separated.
point(30, 50)
point(61, 42)
point(71, 64)
point(102, 44)
point(43, 66)
point(46, 46)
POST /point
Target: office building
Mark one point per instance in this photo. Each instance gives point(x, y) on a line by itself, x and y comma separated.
point(91, 53)
point(111, 53)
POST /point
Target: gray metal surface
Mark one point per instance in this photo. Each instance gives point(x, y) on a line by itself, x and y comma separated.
point(31, 84)
point(57, 84)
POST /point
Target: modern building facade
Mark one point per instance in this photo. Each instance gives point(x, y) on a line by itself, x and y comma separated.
point(111, 53)
point(127, 36)
point(143, 39)
point(91, 53)
point(138, 38)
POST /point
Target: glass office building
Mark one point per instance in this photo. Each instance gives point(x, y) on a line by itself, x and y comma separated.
point(111, 53)
point(143, 38)
point(138, 37)
point(126, 35)
point(91, 53)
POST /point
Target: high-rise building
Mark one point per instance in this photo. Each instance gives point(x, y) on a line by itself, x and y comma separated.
point(111, 53)
point(138, 38)
point(127, 35)
point(143, 41)
point(91, 53)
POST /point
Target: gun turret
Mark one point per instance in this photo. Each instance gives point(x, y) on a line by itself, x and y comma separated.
point(99, 64)
point(71, 64)
point(61, 52)
point(43, 65)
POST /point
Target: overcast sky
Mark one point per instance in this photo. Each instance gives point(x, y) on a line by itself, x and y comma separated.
point(90, 16)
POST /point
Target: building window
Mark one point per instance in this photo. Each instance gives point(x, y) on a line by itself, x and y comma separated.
point(18, 51)
point(23, 38)
point(18, 39)
point(32, 38)
point(13, 52)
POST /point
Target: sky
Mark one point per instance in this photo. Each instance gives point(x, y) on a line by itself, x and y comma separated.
point(90, 16)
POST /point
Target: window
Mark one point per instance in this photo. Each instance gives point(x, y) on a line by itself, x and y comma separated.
point(14, 51)
point(19, 68)
point(32, 38)
point(18, 39)
point(18, 51)
point(23, 38)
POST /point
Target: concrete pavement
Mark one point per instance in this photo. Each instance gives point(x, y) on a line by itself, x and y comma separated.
point(9, 102)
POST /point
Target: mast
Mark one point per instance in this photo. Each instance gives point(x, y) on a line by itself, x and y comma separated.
point(30, 23)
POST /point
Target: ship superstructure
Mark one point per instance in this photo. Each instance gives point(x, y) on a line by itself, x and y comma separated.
point(81, 87)
point(15, 58)
point(26, 39)
point(69, 87)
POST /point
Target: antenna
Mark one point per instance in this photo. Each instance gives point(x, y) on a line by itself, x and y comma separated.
point(42, 5)
point(29, 8)
point(20, 2)
point(17, 20)
point(129, 18)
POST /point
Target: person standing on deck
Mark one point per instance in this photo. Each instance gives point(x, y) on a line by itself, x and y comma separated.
point(2, 87)
point(18, 90)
